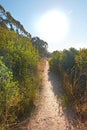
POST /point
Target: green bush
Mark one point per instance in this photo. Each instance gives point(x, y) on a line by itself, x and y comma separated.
point(19, 78)
point(71, 65)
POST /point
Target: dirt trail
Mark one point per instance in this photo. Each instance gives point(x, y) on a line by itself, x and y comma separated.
point(49, 114)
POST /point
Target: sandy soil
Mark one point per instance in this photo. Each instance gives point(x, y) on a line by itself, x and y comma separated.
point(49, 114)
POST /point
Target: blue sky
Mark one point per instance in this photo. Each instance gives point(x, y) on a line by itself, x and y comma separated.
point(28, 12)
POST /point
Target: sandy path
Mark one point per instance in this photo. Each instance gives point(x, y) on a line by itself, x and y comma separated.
point(49, 114)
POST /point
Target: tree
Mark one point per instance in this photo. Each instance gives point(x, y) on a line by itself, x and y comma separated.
point(40, 45)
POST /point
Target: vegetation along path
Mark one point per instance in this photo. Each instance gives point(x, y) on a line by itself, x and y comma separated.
point(49, 114)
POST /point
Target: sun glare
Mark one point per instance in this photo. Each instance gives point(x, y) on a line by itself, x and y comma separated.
point(53, 26)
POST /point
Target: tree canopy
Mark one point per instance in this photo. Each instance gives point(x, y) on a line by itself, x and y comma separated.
point(40, 45)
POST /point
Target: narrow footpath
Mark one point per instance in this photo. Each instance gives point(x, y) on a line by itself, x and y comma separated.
point(49, 114)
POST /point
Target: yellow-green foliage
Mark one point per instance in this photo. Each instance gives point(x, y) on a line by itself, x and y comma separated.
point(19, 79)
point(72, 67)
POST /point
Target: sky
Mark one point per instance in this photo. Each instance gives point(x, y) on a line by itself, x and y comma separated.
point(30, 12)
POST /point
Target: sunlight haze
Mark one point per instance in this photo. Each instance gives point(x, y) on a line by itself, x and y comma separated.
point(53, 26)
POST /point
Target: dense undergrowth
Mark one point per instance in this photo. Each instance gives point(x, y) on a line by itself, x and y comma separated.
point(71, 65)
point(19, 77)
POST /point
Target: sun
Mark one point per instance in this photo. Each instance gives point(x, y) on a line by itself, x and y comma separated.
point(53, 26)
